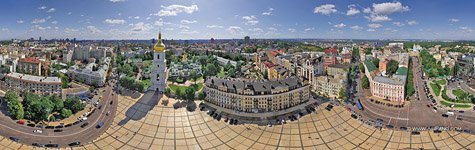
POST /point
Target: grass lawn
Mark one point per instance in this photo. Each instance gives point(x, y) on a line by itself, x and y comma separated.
point(146, 83)
point(436, 88)
point(441, 82)
point(221, 73)
point(200, 78)
point(174, 87)
point(448, 104)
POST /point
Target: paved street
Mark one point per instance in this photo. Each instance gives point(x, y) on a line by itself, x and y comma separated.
point(415, 113)
point(25, 133)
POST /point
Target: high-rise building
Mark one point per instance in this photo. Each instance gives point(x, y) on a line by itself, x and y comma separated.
point(247, 39)
point(159, 69)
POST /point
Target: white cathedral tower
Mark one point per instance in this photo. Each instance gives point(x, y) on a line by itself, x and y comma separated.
point(158, 81)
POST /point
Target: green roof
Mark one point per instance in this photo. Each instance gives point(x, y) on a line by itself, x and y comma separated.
point(401, 71)
point(370, 65)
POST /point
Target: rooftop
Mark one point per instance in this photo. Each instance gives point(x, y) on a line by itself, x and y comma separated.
point(42, 79)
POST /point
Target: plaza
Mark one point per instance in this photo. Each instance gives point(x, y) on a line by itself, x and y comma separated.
point(145, 126)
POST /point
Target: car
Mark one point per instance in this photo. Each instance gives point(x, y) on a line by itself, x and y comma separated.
point(437, 131)
point(389, 126)
point(58, 130)
point(49, 127)
point(108, 112)
point(458, 118)
point(22, 122)
point(269, 124)
point(74, 143)
point(68, 125)
point(226, 119)
point(110, 103)
point(403, 128)
point(235, 121)
point(38, 145)
point(415, 133)
point(100, 106)
point(445, 115)
point(467, 131)
point(354, 116)
point(37, 131)
point(59, 126)
point(15, 139)
point(380, 120)
point(51, 145)
point(461, 111)
point(31, 125)
point(84, 125)
point(231, 121)
point(100, 124)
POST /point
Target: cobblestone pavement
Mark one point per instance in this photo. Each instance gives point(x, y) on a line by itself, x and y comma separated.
point(163, 127)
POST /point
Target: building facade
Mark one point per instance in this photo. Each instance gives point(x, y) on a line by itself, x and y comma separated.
point(35, 84)
point(89, 75)
point(329, 86)
point(256, 96)
point(31, 66)
point(159, 70)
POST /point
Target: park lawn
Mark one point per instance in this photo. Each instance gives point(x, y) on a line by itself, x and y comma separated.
point(458, 92)
point(146, 82)
point(448, 104)
point(441, 82)
point(436, 88)
point(174, 87)
point(221, 73)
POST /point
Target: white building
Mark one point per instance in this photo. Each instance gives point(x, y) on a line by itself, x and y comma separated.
point(36, 84)
point(88, 75)
point(158, 81)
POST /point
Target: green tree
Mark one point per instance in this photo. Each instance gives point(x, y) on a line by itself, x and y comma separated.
point(194, 75)
point(265, 74)
point(392, 67)
point(375, 62)
point(190, 93)
point(74, 104)
point(342, 94)
point(365, 82)
point(65, 113)
point(58, 103)
point(201, 95)
point(178, 93)
point(361, 67)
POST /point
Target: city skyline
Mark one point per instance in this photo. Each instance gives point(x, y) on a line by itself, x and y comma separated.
point(141, 19)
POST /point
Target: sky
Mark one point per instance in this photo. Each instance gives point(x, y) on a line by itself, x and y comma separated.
point(226, 19)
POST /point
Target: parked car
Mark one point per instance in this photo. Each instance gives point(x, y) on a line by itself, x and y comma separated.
point(100, 124)
point(37, 131)
point(38, 145)
point(51, 145)
point(74, 143)
point(15, 139)
point(84, 125)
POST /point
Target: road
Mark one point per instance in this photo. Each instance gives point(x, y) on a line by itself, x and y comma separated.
point(415, 113)
point(71, 134)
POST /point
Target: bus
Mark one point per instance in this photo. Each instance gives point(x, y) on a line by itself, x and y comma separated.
point(359, 105)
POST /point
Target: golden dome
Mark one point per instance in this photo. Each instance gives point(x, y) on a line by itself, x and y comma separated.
point(159, 46)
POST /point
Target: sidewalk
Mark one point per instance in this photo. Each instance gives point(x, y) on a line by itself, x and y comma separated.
point(261, 115)
point(71, 119)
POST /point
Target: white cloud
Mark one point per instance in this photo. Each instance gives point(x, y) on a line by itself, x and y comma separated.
point(160, 22)
point(137, 17)
point(453, 20)
point(148, 18)
point(141, 27)
point(341, 25)
point(374, 25)
point(69, 30)
point(174, 10)
point(268, 12)
point(114, 21)
point(466, 29)
point(187, 21)
point(357, 28)
point(309, 29)
point(326, 9)
point(367, 10)
point(42, 7)
point(214, 26)
point(378, 18)
point(399, 24)
point(54, 22)
point(93, 29)
point(4, 29)
point(20, 21)
point(51, 10)
point(250, 20)
point(389, 8)
point(371, 30)
point(186, 32)
point(234, 30)
point(352, 11)
point(291, 30)
point(256, 30)
point(69, 13)
point(183, 27)
point(412, 22)
point(37, 21)
point(115, 1)
point(272, 29)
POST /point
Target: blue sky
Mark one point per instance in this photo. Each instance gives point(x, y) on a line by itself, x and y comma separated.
point(219, 19)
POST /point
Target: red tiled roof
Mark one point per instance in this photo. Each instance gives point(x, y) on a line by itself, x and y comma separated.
point(30, 60)
point(331, 50)
point(269, 64)
point(274, 53)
